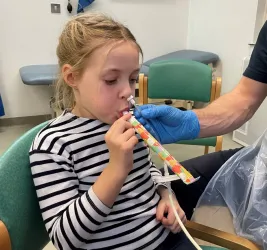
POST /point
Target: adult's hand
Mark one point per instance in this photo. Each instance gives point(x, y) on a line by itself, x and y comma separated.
point(168, 124)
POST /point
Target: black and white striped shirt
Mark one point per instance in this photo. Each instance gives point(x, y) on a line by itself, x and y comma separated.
point(67, 157)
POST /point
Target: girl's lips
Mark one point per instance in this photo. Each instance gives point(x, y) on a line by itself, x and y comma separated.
point(121, 112)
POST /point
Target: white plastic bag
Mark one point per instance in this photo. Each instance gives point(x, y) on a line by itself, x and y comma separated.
point(241, 185)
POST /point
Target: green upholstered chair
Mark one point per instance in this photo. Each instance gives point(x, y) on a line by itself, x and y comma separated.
point(182, 80)
point(19, 208)
point(21, 224)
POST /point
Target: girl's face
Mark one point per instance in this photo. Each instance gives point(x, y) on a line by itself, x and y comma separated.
point(107, 81)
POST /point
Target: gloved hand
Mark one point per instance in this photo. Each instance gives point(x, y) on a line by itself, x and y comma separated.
point(168, 124)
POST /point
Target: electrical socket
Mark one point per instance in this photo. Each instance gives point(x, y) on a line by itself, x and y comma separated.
point(55, 8)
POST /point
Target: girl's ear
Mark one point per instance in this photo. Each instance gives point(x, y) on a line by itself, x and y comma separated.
point(69, 76)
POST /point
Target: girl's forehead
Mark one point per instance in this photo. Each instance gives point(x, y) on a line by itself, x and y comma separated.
point(125, 53)
point(116, 56)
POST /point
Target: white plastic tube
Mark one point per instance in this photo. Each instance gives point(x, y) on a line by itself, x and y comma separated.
point(166, 173)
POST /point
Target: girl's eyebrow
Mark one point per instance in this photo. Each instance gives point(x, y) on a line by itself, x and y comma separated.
point(117, 70)
point(136, 70)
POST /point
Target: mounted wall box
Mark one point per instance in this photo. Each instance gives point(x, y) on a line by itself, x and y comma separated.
point(55, 8)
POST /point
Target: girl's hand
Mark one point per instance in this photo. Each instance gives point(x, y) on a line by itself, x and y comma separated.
point(166, 215)
point(121, 140)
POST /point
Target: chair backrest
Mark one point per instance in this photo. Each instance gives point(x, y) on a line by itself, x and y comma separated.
point(19, 209)
point(180, 79)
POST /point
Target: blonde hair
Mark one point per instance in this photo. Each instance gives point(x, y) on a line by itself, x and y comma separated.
point(80, 38)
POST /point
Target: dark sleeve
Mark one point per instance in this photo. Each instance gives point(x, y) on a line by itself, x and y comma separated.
point(257, 68)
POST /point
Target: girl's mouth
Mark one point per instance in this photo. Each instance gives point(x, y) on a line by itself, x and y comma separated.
point(124, 110)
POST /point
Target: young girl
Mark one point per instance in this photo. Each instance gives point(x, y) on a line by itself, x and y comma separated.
point(92, 173)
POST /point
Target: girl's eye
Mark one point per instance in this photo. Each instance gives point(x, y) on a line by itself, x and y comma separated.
point(133, 81)
point(110, 82)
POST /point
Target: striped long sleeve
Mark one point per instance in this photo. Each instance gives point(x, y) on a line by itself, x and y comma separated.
point(57, 190)
point(155, 173)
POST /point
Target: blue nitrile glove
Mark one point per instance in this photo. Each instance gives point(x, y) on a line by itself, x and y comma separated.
point(168, 124)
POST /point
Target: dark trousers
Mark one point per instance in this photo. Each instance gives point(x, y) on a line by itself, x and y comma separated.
point(204, 166)
point(177, 241)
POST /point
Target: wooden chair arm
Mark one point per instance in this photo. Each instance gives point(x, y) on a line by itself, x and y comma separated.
point(219, 142)
point(219, 238)
point(218, 87)
point(5, 243)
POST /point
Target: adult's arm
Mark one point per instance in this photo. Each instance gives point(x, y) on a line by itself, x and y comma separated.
point(233, 109)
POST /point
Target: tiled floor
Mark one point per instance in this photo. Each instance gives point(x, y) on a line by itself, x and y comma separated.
point(180, 152)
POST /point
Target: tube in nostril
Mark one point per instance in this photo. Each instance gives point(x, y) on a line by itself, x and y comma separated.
point(131, 100)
